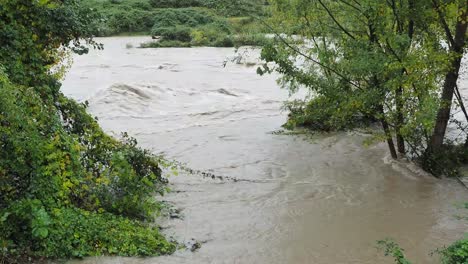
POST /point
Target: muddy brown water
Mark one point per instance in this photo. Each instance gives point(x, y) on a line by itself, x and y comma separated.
point(308, 199)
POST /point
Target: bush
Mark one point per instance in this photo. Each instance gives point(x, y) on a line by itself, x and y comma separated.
point(178, 33)
point(251, 40)
point(210, 34)
point(189, 17)
point(144, 16)
point(223, 42)
point(320, 114)
point(174, 3)
point(234, 8)
point(392, 249)
point(140, 4)
point(457, 253)
point(165, 44)
point(446, 161)
point(49, 170)
point(72, 232)
point(66, 187)
point(122, 20)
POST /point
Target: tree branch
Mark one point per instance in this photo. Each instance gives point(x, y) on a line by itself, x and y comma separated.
point(448, 33)
point(307, 56)
point(336, 21)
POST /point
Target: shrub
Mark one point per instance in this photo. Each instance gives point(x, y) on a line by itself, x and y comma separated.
point(165, 44)
point(190, 17)
point(457, 253)
point(135, 20)
point(210, 34)
point(156, 17)
point(72, 232)
point(446, 161)
point(59, 172)
point(179, 33)
point(320, 114)
point(392, 249)
point(225, 42)
point(140, 4)
point(174, 3)
point(251, 40)
point(234, 8)
point(62, 171)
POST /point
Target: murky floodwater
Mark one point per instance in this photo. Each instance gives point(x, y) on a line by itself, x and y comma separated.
point(320, 199)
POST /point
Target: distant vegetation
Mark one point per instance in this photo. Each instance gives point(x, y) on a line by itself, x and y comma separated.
point(185, 23)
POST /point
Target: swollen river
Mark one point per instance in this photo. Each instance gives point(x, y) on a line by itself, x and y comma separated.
point(305, 199)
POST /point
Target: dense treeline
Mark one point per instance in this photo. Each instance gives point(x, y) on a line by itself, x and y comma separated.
point(393, 63)
point(66, 188)
point(219, 23)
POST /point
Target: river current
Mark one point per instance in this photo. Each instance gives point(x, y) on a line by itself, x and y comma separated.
point(299, 199)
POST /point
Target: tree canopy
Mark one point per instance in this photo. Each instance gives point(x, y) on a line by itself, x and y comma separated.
point(395, 62)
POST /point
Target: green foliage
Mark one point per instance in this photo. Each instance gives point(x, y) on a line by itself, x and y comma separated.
point(252, 39)
point(71, 166)
point(72, 232)
point(320, 114)
point(235, 8)
point(175, 3)
point(185, 27)
point(446, 161)
point(166, 44)
point(67, 189)
point(393, 249)
point(28, 28)
point(189, 17)
point(178, 33)
point(182, 23)
point(379, 60)
point(457, 253)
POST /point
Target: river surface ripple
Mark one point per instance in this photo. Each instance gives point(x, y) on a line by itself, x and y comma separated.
point(321, 199)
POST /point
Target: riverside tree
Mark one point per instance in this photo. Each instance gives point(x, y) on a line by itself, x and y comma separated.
point(395, 62)
point(66, 188)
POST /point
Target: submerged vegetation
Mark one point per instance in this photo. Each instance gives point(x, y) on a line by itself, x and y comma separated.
point(185, 23)
point(67, 188)
point(395, 63)
point(392, 63)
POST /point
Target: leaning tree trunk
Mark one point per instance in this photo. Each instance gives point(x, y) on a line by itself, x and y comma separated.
point(388, 132)
point(388, 135)
point(443, 115)
point(457, 45)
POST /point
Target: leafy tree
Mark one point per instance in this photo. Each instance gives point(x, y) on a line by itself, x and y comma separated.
point(453, 20)
point(377, 60)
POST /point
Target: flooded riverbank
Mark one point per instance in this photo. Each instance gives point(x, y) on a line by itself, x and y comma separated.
point(320, 199)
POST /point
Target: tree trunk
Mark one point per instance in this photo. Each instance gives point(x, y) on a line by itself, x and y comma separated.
point(443, 115)
point(400, 121)
point(388, 133)
point(451, 78)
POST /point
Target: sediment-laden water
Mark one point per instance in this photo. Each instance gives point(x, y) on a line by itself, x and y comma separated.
point(305, 199)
